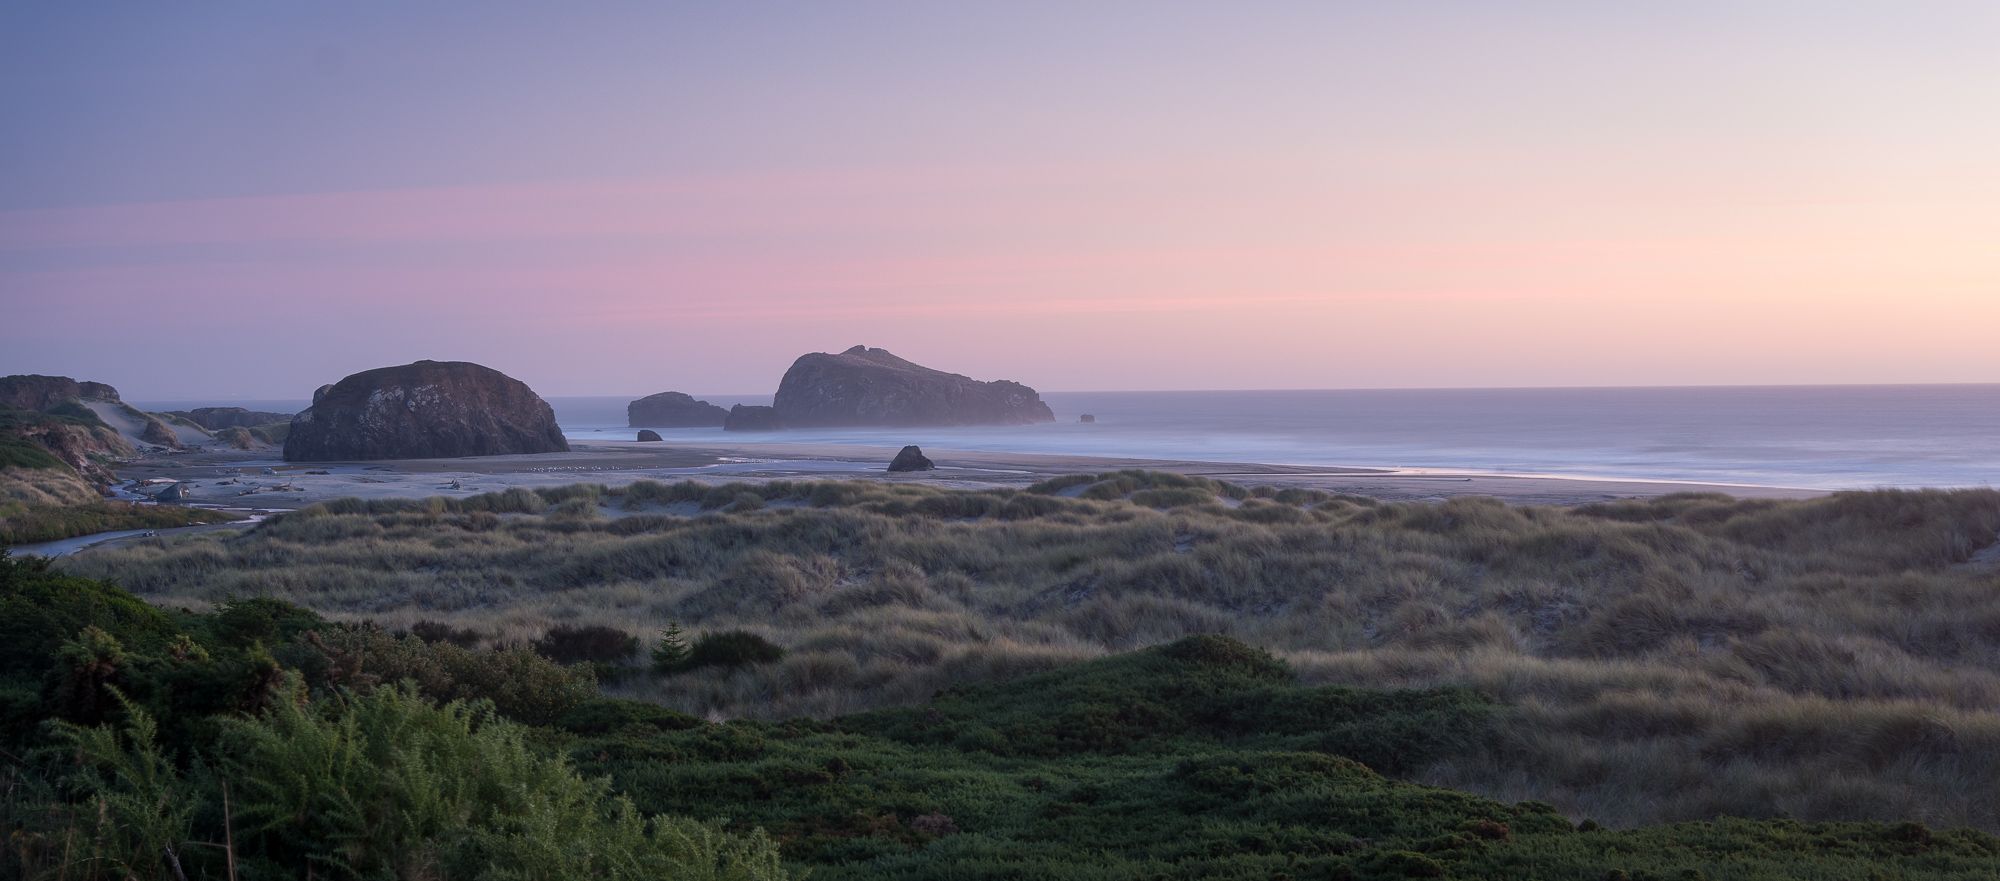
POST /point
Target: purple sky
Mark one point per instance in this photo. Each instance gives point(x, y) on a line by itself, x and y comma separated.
point(248, 202)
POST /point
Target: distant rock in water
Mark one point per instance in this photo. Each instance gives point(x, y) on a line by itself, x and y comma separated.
point(219, 418)
point(870, 387)
point(426, 410)
point(912, 459)
point(647, 435)
point(743, 417)
point(673, 410)
point(1087, 419)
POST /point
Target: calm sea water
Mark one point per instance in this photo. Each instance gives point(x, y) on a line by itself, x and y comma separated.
point(1803, 436)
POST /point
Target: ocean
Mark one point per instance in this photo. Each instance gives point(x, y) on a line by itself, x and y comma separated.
point(1820, 437)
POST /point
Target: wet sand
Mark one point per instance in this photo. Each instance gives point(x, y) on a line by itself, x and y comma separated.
point(259, 479)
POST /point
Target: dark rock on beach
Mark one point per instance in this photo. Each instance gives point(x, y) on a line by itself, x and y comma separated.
point(871, 387)
point(912, 459)
point(673, 410)
point(647, 435)
point(743, 417)
point(425, 410)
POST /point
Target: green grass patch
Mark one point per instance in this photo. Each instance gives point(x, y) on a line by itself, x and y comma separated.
point(21, 524)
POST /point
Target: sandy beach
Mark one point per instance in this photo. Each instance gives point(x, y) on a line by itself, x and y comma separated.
point(260, 480)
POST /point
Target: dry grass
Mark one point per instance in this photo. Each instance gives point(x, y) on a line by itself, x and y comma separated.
point(1673, 659)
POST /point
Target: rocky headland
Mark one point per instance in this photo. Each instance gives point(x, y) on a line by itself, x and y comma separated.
point(57, 415)
point(59, 439)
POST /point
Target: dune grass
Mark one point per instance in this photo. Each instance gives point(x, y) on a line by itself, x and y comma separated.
point(258, 740)
point(1674, 659)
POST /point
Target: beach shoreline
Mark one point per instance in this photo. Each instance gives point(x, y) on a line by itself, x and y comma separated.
point(261, 480)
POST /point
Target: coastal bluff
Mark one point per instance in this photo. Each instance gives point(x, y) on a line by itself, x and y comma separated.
point(864, 387)
point(424, 410)
point(34, 391)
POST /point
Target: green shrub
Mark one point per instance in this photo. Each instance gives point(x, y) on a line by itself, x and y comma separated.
point(608, 715)
point(671, 652)
point(379, 785)
point(440, 631)
point(521, 684)
point(586, 644)
point(731, 648)
point(19, 453)
point(41, 609)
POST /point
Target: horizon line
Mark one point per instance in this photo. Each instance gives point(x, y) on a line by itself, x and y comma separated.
point(1412, 388)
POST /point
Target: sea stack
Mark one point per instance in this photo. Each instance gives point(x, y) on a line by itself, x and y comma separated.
point(648, 436)
point(673, 410)
point(744, 417)
point(425, 410)
point(864, 387)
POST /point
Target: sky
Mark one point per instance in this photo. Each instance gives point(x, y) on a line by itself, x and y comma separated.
point(244, 201)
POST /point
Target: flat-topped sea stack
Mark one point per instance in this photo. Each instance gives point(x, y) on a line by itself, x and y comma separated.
point(673, 410)
point(865, 387)
point(219, 418)
point(426, 410)
point(748, 417)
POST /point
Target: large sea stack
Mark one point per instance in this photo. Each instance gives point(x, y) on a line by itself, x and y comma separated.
point(426, 410)
point(673, 410)
point(870, 387)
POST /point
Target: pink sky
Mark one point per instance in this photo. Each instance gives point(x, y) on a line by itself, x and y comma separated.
point(1441, 206)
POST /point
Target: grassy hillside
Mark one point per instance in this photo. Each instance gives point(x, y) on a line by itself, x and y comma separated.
point(1677, 659)
point(43, 494)
point(260, 741)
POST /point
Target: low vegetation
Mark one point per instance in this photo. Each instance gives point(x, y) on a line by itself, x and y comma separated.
point(257, 740)
point(29, 524)
point(1670, 660)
